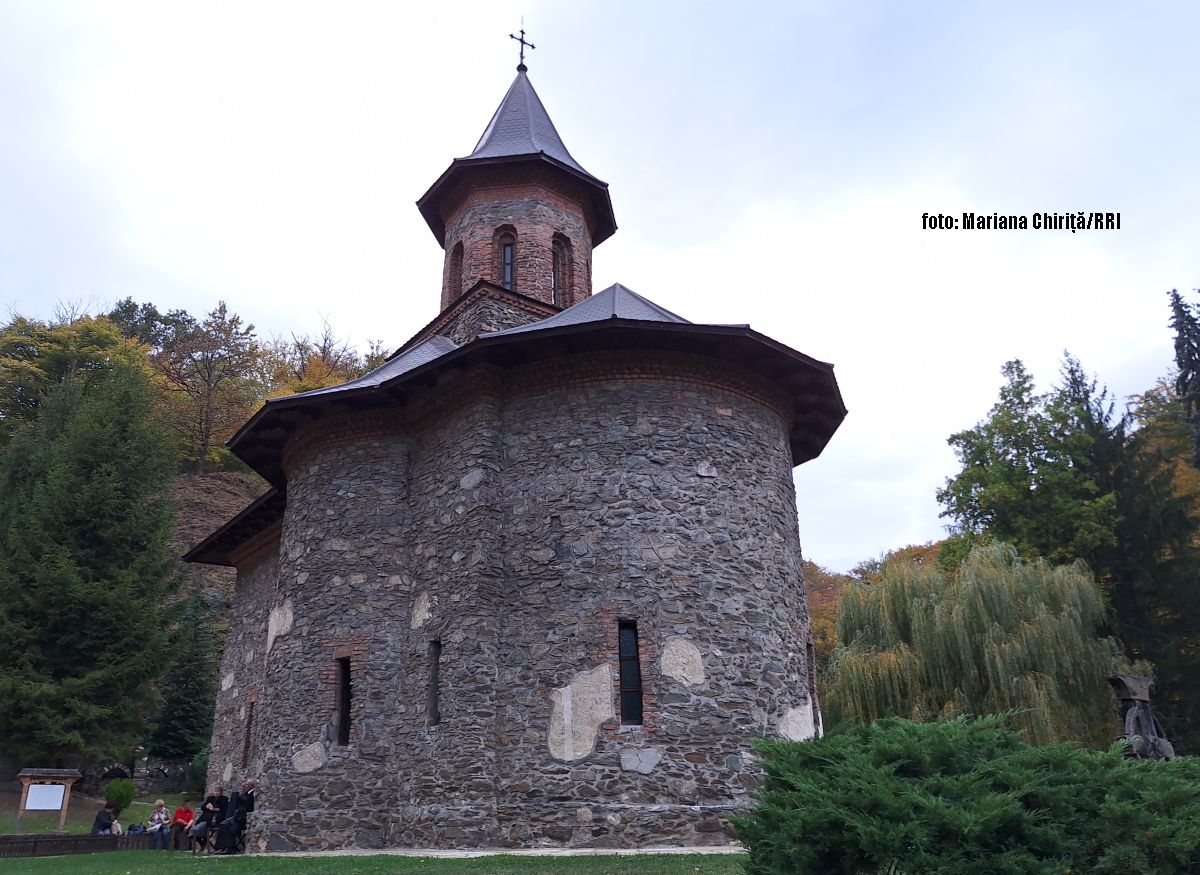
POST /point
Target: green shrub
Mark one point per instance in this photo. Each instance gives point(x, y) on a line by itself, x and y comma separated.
point(197, 774)
point(121, 791)
point(960, 796)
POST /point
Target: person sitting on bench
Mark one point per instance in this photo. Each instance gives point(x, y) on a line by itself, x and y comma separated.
point(102, 825)
point(240, 804)
point(210, 814)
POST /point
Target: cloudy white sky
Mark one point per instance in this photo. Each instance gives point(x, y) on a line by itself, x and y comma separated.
point(769, 163)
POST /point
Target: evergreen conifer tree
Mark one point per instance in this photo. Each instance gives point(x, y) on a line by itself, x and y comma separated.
point(184, 727)
point(1187, 359)
point(85, 571)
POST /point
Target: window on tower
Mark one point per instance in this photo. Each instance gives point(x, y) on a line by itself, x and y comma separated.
point(506, 253)
point(454, 271)
point(560, 271)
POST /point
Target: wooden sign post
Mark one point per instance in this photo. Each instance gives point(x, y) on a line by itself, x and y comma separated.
point(46, 790)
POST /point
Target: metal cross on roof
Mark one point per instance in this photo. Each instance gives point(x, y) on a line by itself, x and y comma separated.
point(524, 43)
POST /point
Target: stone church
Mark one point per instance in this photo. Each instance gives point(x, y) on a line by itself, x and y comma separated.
point(536, 580)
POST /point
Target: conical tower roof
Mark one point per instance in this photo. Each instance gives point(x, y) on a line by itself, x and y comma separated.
point(520, 130)
point(521, 126)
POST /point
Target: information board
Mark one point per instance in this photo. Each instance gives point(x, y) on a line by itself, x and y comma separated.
point(45, 797)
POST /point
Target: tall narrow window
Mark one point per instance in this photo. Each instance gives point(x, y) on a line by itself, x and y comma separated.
point(505, 241)
point(246, 740)
point(344, 692)
point(454, 271)
point(506, 264)
point(433, 708)
point(560, 271)
point(631, 672)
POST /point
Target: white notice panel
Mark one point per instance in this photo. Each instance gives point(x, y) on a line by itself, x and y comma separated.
point(45, 797)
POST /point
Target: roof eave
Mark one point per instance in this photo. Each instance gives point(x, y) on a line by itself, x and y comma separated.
point(207, 552)
point(429, 203)
point(241, 443)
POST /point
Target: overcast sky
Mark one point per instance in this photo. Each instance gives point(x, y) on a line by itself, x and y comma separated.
point(768, 163)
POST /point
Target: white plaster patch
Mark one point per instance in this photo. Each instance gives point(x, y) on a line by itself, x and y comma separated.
point(227, 775)
point(798, 723)
point(472, 478)
point(227, 682)
point(577, 711)
point(706, 469)
point(279, 622)
point(682, 661)
point(422, 610)
point(309, 759)
point(640, 761)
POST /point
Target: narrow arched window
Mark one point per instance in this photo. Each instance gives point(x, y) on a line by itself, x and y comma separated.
point(506, 256)
point(560, 271)
point(454, 271)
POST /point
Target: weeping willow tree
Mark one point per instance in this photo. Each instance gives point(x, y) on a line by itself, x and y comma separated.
point(1006, 634)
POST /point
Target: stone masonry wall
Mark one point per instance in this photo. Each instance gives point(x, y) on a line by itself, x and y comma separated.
point(486, 314)
point(537, 204)
point(342, 567)
point(516, 530)
point(671, 506)
point(236, 748)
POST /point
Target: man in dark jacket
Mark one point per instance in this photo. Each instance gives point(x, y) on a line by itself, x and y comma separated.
point(240, 804)
point(210, 814)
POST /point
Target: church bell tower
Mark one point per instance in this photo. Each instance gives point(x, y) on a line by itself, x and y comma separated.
point(518, 215)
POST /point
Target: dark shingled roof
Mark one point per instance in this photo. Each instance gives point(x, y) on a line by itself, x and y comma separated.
point(520, 132)
point(521, 126)
point(615, 302)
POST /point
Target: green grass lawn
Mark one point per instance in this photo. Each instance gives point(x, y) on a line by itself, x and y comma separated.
point(169, 863)
point(80, 814)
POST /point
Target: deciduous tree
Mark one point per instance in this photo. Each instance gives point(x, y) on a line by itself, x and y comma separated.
point(1062, 475)
point(208, 378)
point(1006, 634)
point(36, 356)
